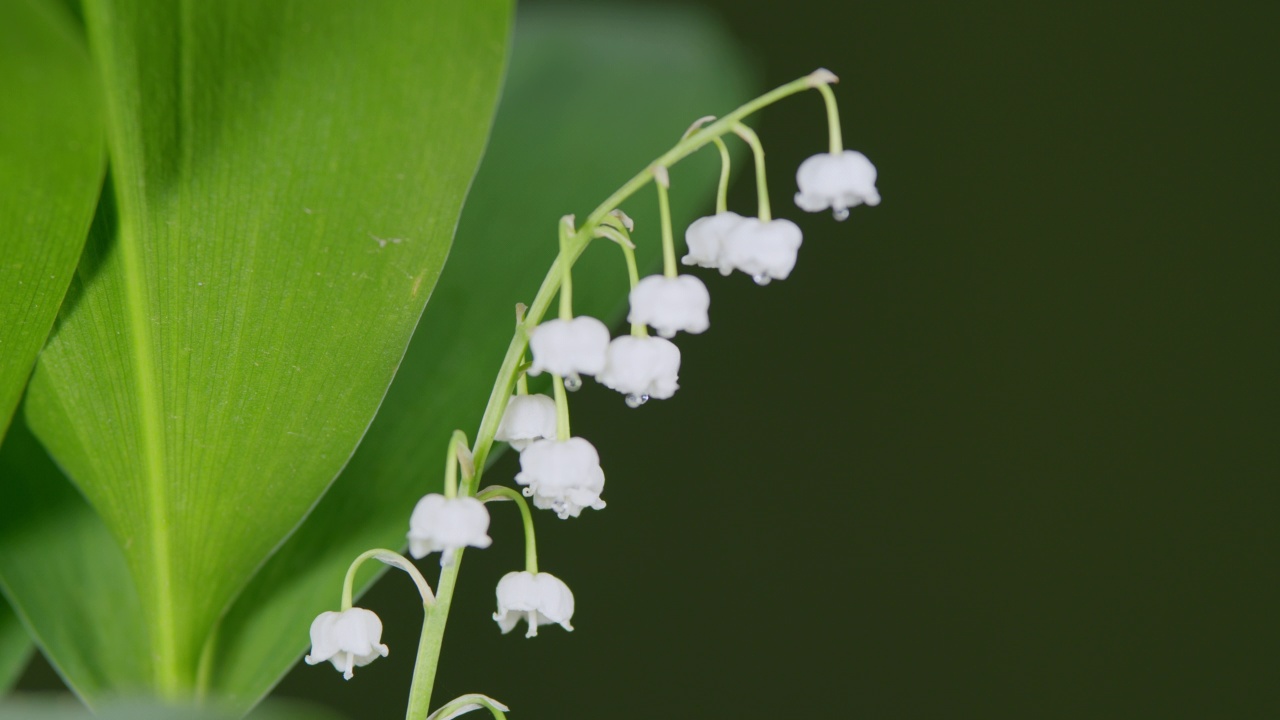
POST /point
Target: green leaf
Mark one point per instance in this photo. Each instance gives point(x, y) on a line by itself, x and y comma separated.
point(592, 96)
point(285, 180)
point(41, 709)
point(51, 164)
point(15, 648)
point(66, 577)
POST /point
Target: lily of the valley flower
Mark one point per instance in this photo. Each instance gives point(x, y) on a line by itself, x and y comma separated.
point(348, 639)
point(569, 347)
point(838, 182)
point(537, 598)
point(642, 367)
point(764, 250)
point(562, 475)
point(527, 418)
point(706, 238)
point(441, 524)
point(671, 305)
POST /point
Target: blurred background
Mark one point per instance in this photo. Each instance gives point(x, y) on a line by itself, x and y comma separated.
point(1004, 446)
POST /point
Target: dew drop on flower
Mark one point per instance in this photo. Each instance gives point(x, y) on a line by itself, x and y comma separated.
point(635, 401)
point(840, 213)
point(761, 279)
point(572, 382)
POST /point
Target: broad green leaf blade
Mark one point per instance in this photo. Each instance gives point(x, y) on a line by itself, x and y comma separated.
point(15, 648)
point(285, 180)
point(51, 161)
point(592, 96)
point(30, 708)
point(66, 577)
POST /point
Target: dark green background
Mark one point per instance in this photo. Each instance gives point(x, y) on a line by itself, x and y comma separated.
point(1004, 446)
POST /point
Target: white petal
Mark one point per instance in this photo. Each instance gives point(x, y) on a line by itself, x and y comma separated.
point(564, 476)
point(705, 237)
point(836, 181)
point(764, 250)
point(642, 366)
point(527, 418)
point(670, 305)
point(565, 347)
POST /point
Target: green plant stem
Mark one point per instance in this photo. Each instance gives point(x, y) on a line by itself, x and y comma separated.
point(570, 252)
point(762, 182)
point(387, 557)
point(669, 268)
point(562, 408)
point(722, 190)
point(502, 492)
point(573, 243)
point(453, 458)
point(473, 699)
point(618, 234)
point(437, 616)
point(833, 118)
point(566, 271)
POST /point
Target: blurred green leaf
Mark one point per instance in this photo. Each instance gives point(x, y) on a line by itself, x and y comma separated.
point(51, 164)
point(285, 180)
point(65, 575)
point(27, 708)
point(15, 648)
point(592, 96)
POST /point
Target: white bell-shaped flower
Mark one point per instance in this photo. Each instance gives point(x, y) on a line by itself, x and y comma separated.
point(569, 347)
point(838, 182)
point(527, 418)
point(537, 598)
point(562, 475)
point(671, 305)
point(706, 237)
point(441, 524)
point(348, 639)
point(641, 368)
point(764, 250)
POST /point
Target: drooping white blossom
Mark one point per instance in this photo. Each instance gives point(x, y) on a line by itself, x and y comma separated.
point(671, 305)
point(348, 639)
point(538, 599)
point(838, 182)
point(764, 250)
point(641, 368)
point(569, 347)
point(562, 475)
point(705, 238)
point(441, 524)
point(527, 418)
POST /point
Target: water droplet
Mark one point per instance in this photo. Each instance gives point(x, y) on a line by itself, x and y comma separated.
point(761, 278)
point(572, 382)
point(635, 401)
point(840, 213)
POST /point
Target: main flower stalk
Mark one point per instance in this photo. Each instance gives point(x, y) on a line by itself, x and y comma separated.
point(573, 241)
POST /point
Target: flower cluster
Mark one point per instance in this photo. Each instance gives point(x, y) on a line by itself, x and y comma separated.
point(562, 472)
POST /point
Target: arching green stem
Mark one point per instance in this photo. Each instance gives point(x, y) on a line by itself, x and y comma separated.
point(762, 182)
point(562, 408)
point(566, 268)
point(558, 280)
point(722, 190)
point(833, 118)
point(618, 234)
point(459, 454)
point(501, 492)
point(467, 703)
point(394, 559)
